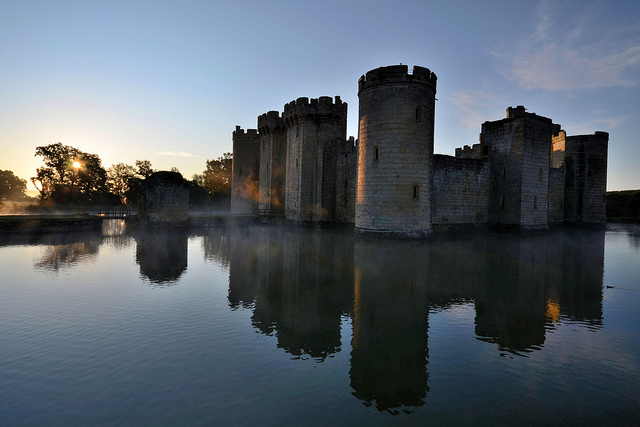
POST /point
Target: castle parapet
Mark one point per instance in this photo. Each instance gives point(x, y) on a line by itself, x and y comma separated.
point(269, 121)
point(316, 108)
point(397, 74)
point(474, 152)
point(239, 132)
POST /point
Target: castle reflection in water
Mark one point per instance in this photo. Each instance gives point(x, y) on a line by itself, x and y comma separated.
point(300, 284)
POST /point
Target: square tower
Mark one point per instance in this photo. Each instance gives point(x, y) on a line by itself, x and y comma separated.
point(520, 149)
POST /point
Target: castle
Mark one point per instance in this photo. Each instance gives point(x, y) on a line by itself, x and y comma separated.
point(525, 172)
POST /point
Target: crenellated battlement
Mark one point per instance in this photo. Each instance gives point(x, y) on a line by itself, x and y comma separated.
point(269, 121)
point(474, 152)
point(394, 74)
point(314, 108)
point(239, 132)
point(350, 146)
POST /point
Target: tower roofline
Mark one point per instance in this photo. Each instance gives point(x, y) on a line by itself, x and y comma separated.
point(397, 74)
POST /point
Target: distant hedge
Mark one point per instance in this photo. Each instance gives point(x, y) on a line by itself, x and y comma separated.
point(623, 206)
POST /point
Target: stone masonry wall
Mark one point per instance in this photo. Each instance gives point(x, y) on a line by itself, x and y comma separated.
point(460, 192)
point(535, 171)
point(556, 195)
point(166, 197)
point(316, 131)
point(586, 178)
point(273, 150)
point(520, 149)
point(395, 151)
point(245, 171)
point(505, 170)
point(346, 181)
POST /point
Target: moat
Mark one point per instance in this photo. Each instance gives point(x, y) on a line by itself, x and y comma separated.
point(273, 326)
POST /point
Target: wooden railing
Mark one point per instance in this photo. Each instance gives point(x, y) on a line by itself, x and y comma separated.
point(116, 213)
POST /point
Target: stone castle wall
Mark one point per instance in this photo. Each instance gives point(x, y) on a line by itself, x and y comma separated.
point(273, 151)
point(245, 171)
point(395, 151)
point(346, 181)
point(460, 192)
point(556, 195)
point(519, 147)
point(165, 198)
point(316, 131)
point(586, 177)
point(524, 173)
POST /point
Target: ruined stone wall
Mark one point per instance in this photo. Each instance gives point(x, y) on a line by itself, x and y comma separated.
point(396, 125)
point(346, 181)
point(245, 171)
point(165, 197)
point(273, 150)
point(460, 192)
point(586, 178)
point(316, 131)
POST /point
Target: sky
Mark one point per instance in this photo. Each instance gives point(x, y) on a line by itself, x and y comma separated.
point(168, 81)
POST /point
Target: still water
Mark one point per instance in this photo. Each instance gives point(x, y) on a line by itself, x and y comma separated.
point(276, 326)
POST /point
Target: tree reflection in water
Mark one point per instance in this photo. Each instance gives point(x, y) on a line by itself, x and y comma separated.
point(66, 255)
point(299, 283)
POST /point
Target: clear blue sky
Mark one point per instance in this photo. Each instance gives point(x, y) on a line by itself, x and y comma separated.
point(168, 81)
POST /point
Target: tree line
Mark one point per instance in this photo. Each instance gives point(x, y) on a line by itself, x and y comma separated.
point(71, 176)
point(623, 206)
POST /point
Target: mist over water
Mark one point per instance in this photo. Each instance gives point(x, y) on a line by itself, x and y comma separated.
point(290, 325)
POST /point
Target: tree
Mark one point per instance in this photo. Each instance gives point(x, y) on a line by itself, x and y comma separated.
point(144, 168)
point(198, 178)
point(125, 180)
point(12, 187)
point(69, 174)
point(119, 178)
point(217, 175)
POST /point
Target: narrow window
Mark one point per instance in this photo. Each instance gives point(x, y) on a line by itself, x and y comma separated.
point(502, 202)
point(297, 161)
point(504, 172)
point(416, 191)
point(418, 113)
point(240, 172)
point(375, 153)
point(535, 202)
point(540, 175)
point(297, 131)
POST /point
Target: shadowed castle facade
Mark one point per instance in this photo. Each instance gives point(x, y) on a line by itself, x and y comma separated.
point(525, 173)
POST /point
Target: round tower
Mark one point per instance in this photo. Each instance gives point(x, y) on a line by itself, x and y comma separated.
point(395, 151)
